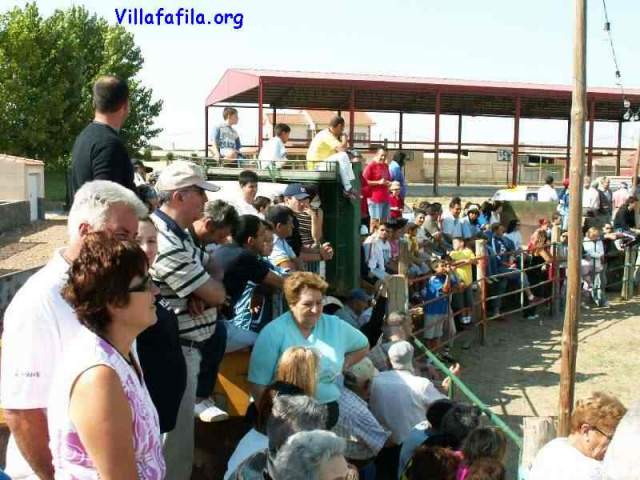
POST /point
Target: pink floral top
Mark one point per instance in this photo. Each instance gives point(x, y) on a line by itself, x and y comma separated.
point(70, 459)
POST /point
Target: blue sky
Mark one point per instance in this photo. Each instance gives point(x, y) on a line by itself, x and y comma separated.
point(508, 40)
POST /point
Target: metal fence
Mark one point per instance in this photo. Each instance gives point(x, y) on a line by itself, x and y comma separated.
point(549, 285)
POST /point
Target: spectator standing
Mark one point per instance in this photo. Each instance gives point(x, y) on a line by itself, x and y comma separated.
point(248, 180)
point(183, 271)
point(579, 456)
point(436, 312)
point(329, 146)
point(563, 204)
point(225, 141)
point(163, 366)
point(140, 173)
point(547, 192)
point(452, 223)
point(377, 251)
point(39, 323)
point(378, 178)
point(471, 227)
point(620, 196)
point(396, 201)
point(102, 422)
point(98, 152)
point(606, 200)
point(396, 173)
point(297, 197)
point(514, 234)
point(273, 152)
point(463, 258)
point(310, 225)
point(593, 249)
point(590, 199)
point(625, 219)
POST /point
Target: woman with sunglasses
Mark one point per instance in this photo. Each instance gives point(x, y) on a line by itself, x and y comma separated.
point(102, 423)
point(579, 456)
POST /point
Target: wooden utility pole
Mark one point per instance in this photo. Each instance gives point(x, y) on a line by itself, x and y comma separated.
point(572, 307)
point(636, 162)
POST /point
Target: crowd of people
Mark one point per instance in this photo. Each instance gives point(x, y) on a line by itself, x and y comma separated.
point(111, 350)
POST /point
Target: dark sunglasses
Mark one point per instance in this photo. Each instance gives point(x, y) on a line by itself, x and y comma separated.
point(145, 285)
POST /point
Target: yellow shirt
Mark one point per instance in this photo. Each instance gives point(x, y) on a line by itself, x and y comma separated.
point(463, 272)
point(322, 146)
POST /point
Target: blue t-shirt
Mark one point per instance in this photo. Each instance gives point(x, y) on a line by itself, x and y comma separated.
point(225, 136)
point(332, 338)
point(432, 290)
point(396, 174)
point(243, 317)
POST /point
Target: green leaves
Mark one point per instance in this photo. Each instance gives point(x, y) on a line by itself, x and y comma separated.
point(47, 69)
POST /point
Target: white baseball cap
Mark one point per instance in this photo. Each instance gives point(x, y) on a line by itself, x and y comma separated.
point(401, 355)
point(180, 174)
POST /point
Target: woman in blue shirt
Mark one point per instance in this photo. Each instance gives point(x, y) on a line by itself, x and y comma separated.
point(338, 344)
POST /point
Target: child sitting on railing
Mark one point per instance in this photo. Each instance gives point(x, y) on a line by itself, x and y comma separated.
point(593, 266)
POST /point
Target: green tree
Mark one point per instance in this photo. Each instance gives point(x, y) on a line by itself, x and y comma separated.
point(47, 69)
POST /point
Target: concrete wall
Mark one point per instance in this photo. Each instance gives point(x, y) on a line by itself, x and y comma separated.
point(9, 285)
point(14, 214)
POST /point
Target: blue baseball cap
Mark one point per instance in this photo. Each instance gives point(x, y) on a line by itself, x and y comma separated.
point(359, 294)
point(297, 191)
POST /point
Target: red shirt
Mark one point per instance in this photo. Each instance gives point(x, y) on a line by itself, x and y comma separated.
point(373, 172)
point(396, 202)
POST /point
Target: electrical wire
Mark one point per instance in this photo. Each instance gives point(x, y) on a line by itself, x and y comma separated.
point(607, 28)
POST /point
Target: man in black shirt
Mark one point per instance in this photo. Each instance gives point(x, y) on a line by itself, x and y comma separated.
point(625, 218)
point(244, 270)
point(98, 152)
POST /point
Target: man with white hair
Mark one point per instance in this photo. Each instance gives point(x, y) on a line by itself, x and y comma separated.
point(183, 272)
point(39, 323)
point(311, 455)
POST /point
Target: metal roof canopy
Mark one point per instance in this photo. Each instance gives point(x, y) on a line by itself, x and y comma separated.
point(381, 93)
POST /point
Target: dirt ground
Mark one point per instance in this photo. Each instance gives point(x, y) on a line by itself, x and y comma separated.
point(32, 246)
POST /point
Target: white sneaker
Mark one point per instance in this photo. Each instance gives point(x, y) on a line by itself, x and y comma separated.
point(207, 411)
